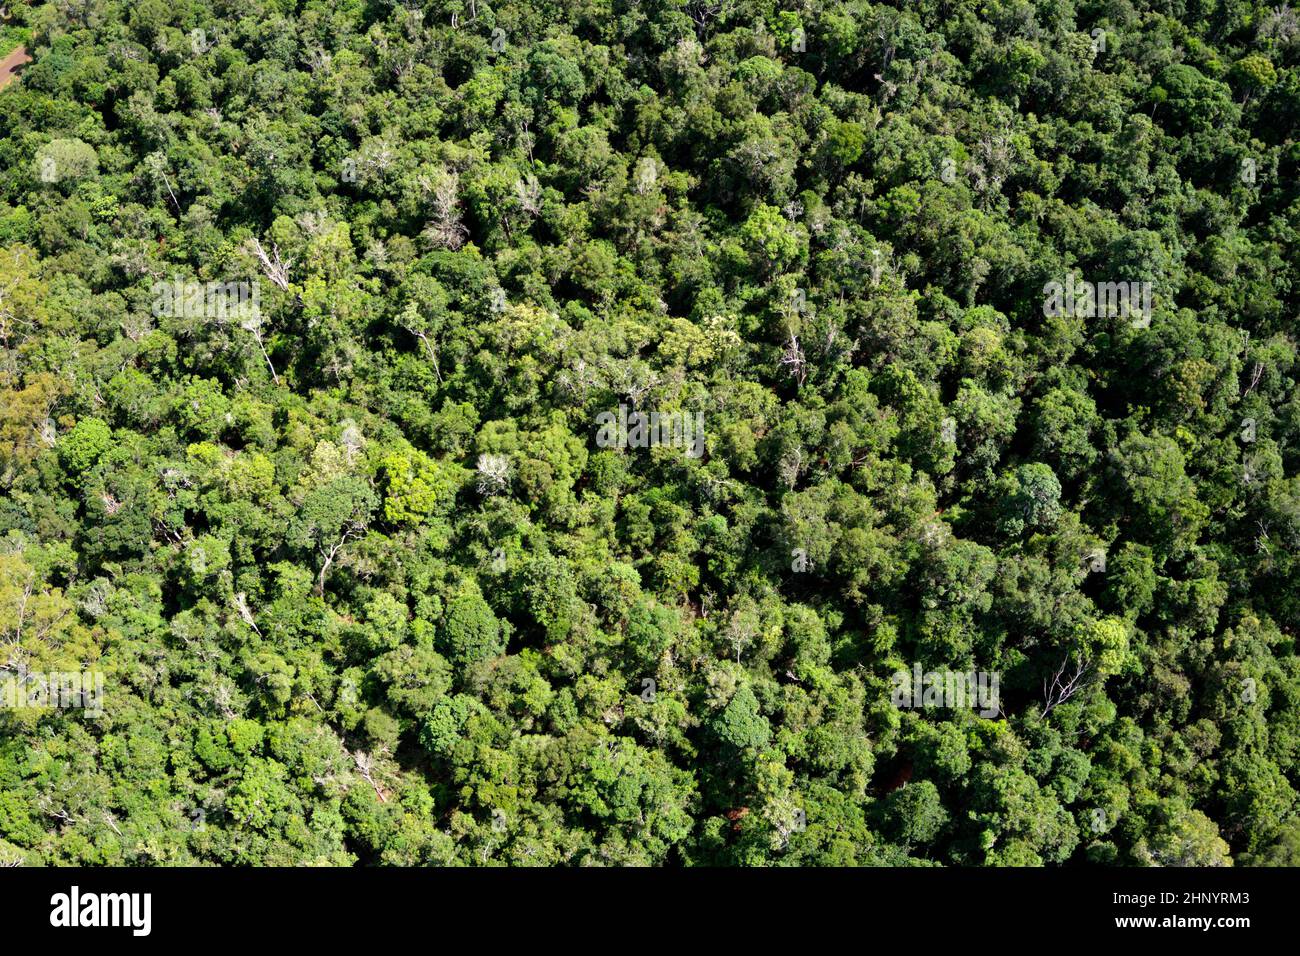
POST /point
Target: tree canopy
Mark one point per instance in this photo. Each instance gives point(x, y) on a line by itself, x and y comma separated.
point(308, 313)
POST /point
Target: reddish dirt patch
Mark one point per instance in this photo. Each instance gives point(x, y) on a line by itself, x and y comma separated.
point(12, 64)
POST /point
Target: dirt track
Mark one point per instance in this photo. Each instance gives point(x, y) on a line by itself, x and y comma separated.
point(11, 64)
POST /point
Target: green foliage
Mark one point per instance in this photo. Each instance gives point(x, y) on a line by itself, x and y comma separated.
point(363, 583)
point(472, 632)
point(84, 444)
point(740, 724)
point(1029, 500)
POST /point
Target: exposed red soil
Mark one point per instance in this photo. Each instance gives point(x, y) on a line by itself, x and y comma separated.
point(11, 65)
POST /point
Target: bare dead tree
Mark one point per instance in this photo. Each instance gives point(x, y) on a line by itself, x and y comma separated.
point(1257, 374)
point(276, 269)
point(411, 321)
point(493, 474)
point(887, 33)
point(993, 156)
point(835, 346)
point(703, 12)
point(352, 441)
point(528, 195)
point(8, 311)
point(1261, 540)
point(17, 639)
point(157, 164)
point(1063, 687)
point(445, 228)
point(365, 766)
point(245, 614)
point(328, 552)
point(253, 325)
point(223, 698)
point(793, 360)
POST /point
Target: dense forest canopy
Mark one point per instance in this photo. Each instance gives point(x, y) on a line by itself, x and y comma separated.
point(330, 334)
